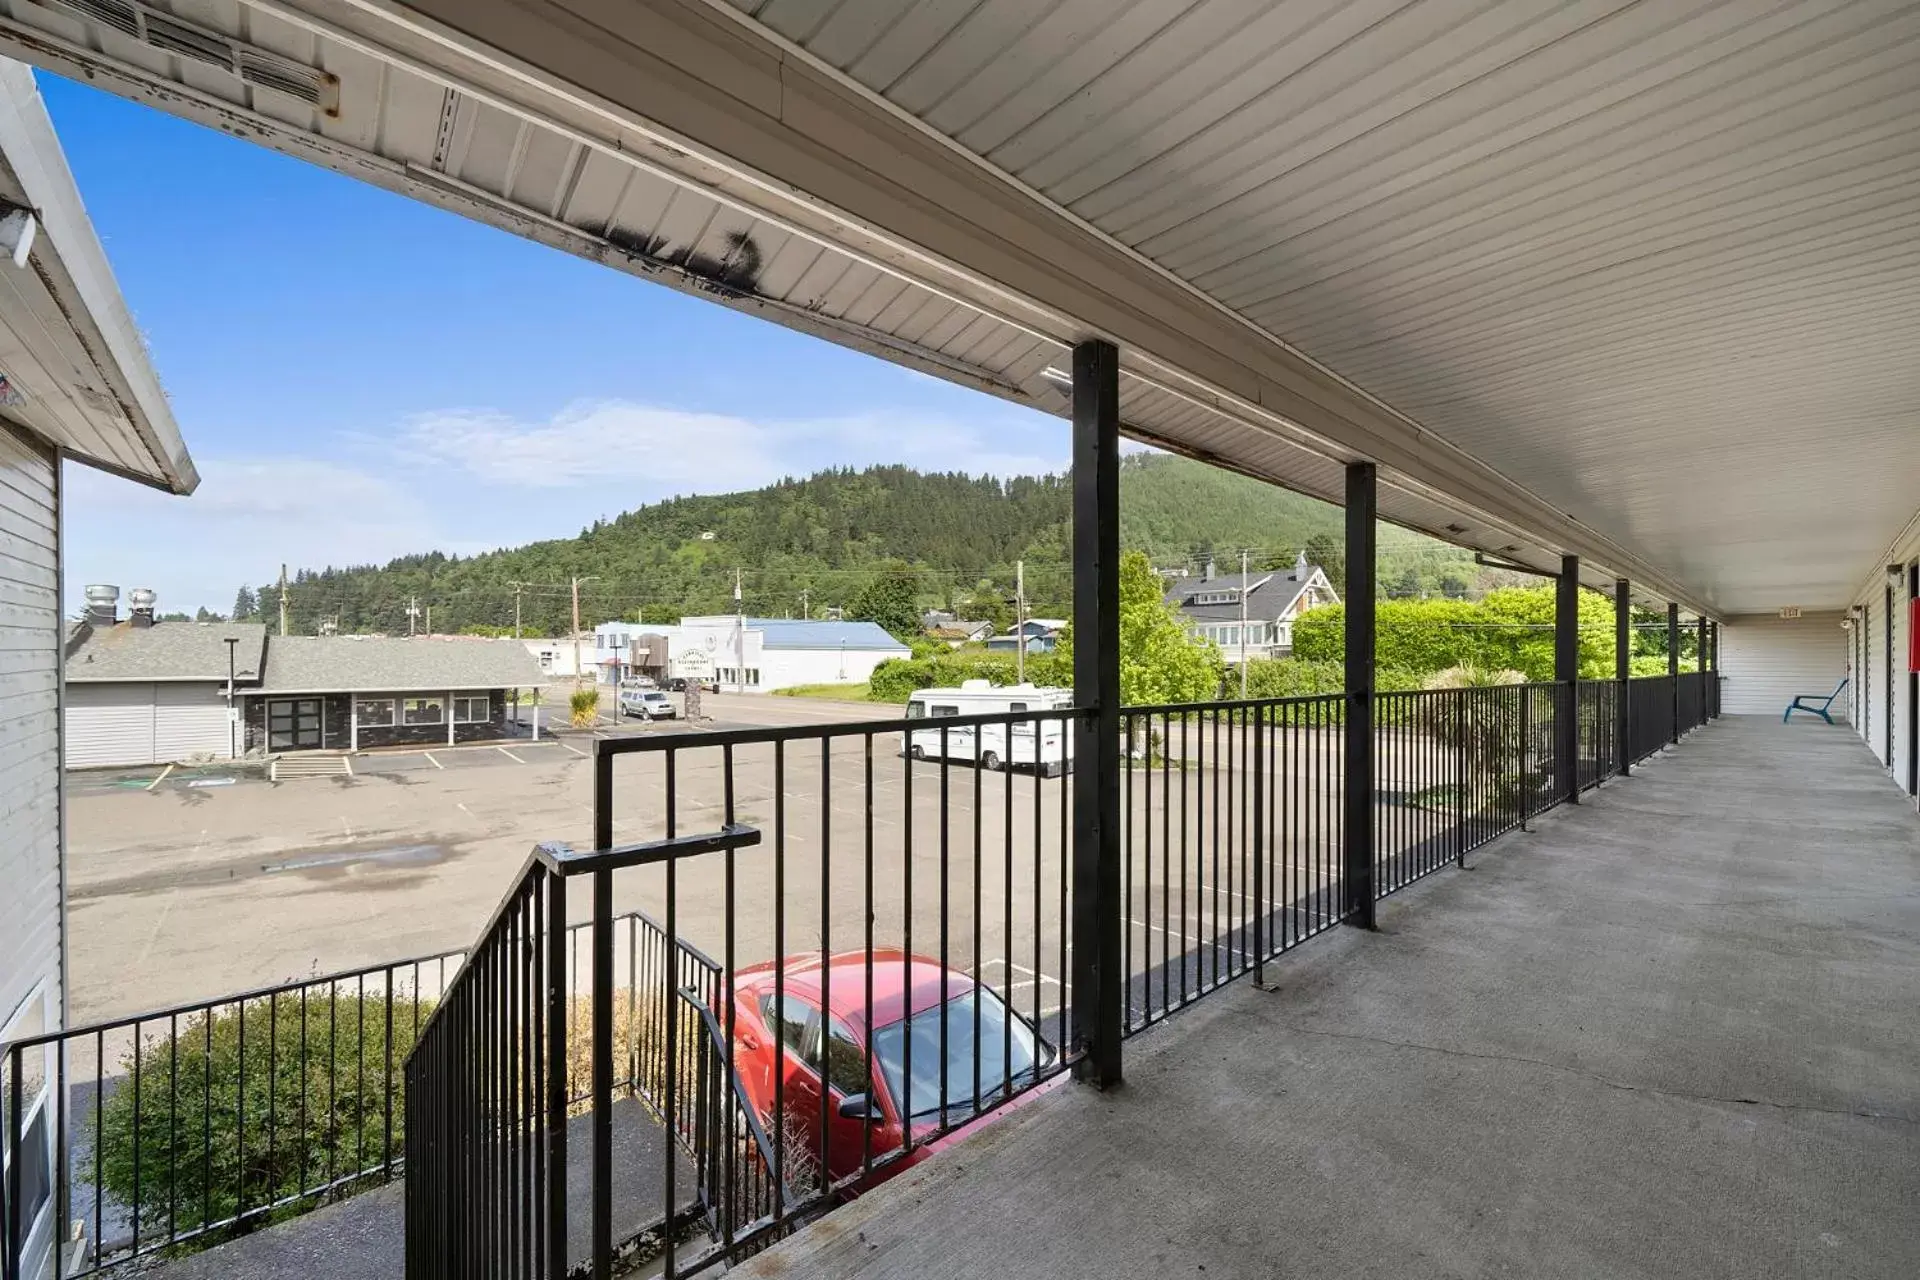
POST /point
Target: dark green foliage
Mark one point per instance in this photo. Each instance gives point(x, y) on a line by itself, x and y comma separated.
point(1511, 628)
point(807, 545)
point(1329, 551)
point(889, 598)
point(314, 1096)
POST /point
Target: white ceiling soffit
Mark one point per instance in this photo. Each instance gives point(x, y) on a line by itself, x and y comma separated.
point(75, 368)
point(1420, 223)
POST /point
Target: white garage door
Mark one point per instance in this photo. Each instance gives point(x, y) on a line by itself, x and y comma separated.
point(109, 724)
point(189, 720)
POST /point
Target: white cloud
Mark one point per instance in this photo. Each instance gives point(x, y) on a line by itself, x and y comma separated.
point(247, 516)
point(459, 481)
point(671, 450)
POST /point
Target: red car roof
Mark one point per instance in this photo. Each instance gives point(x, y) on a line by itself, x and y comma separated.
point(895, 974)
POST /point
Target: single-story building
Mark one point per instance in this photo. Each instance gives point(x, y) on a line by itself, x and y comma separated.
point(143, 691)
point(348, 693)
point(1268, 600)
point(760, 655)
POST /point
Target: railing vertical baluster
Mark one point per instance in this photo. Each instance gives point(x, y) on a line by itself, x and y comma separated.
point(1259, 848)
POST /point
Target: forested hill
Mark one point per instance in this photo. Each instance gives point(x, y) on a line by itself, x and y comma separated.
point(821, 541)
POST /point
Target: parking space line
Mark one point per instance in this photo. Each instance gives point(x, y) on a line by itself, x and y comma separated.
point(162, 778)
point(347, 761)
point(509, 755)
point(577, 751)
point(430, 760)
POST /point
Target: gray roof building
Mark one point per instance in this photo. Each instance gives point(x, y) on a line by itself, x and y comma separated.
point(1270, 593)
point(430, 664)
point(163, 651)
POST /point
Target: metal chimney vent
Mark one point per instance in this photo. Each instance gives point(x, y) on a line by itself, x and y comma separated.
point(103, 604)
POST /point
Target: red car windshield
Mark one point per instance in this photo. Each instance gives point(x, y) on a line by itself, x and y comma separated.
point(1003, 1035)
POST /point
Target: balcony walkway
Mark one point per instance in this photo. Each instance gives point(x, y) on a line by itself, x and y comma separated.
point(1670, 1033)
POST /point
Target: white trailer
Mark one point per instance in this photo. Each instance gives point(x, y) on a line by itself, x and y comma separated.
point(1045, 746)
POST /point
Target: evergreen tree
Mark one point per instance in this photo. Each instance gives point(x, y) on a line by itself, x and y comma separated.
point(245, 607)
point(891, 600)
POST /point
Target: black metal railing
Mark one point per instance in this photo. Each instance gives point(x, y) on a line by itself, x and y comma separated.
point(187, 1124)
point(890, 906)
point(487, 1099)
point(735, 1157)
point(1231, 839)
point(893, 957)
point(1601, 752)
point(1650, 723)
point(1691, 700)
point(494, 1079)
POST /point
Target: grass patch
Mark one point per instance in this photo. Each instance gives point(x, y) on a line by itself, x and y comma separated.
point(862, 692)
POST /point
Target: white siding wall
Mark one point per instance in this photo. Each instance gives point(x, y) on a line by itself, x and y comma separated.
point(30, 871)
point(1768, 661)
point(785, 668)
point(190, 720)
point(109, 724)
point(1878, 712)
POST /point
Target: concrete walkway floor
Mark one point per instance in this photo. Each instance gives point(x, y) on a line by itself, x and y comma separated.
point(1674, 1032)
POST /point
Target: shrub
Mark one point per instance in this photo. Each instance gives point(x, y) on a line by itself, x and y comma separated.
point(1511, 628)
point(314, 1096)
point(896, 679)
point(583, 707)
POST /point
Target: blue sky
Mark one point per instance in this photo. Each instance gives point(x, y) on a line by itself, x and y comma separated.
point(359, 376)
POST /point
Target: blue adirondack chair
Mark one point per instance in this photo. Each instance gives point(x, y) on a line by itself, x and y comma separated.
point(1813, 702)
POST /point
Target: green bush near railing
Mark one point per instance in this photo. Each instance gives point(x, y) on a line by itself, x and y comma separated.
point(207, 1125)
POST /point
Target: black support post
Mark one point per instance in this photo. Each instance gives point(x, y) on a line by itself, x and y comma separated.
point(1622, 668)
point(1913, 690)
point(1566, 674)
point(1700, 665)
point(1357, 782)
point(1673, 668)
point(1098, 983)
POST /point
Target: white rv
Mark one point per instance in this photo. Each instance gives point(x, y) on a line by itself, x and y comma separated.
point(1045, 746)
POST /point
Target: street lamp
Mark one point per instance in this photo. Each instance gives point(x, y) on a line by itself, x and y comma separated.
point(233, 720)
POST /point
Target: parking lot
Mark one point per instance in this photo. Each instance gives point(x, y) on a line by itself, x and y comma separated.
point(186, 883)
point(204, 882)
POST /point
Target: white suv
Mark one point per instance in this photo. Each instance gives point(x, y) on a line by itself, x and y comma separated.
point(648, 704)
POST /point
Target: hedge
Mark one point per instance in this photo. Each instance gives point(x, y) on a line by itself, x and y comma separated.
point(309, 1118)
point(897, 679)
point(1509, 629)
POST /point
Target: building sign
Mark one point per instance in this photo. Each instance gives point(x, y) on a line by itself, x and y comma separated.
point(1790, 611)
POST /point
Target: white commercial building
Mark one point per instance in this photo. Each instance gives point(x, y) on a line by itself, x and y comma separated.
point(760, 655)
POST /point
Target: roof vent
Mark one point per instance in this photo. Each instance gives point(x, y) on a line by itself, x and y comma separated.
point(186, 39)
point(103, 604)
point(140, 606)
point(117, 14)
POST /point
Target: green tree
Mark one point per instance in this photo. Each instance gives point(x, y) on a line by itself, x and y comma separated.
point(245, 606)
point(1160, 661)
point(892, 600)
point(1329, 553)
point(1510, 629)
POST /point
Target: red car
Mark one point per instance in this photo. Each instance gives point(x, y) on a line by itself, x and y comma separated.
point(876, 1109)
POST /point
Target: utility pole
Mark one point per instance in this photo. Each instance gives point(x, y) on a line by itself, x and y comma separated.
point(1020, 620)
point(805, 611)
point(283, 599)
point(1243, 624)
point(517, 588)
point(578, 670)
point(429, 619)
point(413, 613)
point(739, 637)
